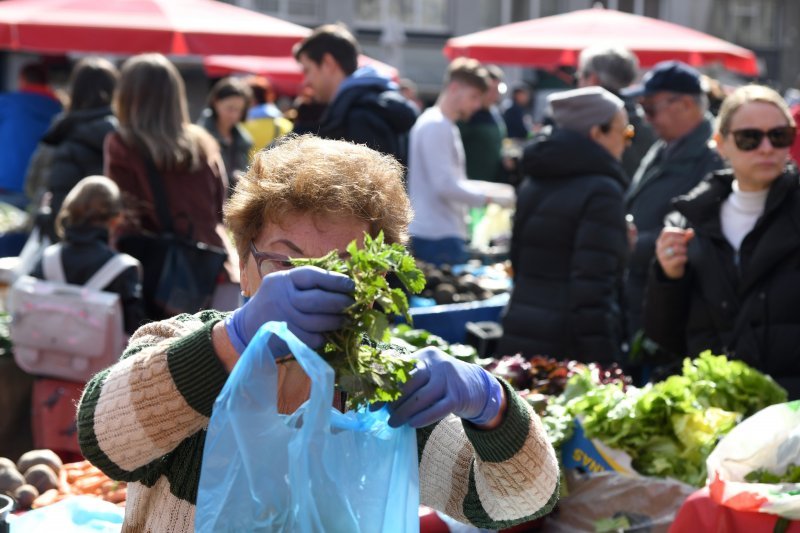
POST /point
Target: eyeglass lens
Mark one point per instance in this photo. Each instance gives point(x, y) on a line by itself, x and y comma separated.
point(750, 138)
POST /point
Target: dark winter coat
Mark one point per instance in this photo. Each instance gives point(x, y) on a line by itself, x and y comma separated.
point(642, 141)
point(752, 311)
point(569, 248)
point(368, 110)
point(660, 178)
point(85, 250)
point(77, 141)
point(236, 152)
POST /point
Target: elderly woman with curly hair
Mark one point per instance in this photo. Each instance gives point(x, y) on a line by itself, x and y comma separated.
point(483, 455)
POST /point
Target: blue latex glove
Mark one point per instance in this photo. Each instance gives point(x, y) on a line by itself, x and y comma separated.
point(440, 385)
point(310, 300)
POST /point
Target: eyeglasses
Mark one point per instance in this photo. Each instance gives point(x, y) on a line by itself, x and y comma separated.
point(652, 110)
point(748, 139)
point(280, 262)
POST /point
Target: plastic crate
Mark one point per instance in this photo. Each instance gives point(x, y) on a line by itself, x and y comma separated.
point(450, 321)
point(11, 243)
point(54, 415)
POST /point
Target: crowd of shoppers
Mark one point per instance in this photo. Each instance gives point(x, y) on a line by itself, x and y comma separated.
point(642, 222)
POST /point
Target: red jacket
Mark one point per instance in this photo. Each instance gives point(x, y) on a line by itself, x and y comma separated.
point(194, 198)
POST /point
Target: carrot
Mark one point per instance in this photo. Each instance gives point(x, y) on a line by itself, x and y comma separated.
point(116, 496)
point(63, 482)
point(88, 484)
point(48, 497)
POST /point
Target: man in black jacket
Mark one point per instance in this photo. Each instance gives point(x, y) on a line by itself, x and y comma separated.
point(675, 105)
point(364, 106)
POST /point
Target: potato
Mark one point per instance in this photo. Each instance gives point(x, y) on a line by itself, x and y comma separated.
point(40, 457)
point(25, 495)
point(42, 477)
point(7, 464)
point(10, 480)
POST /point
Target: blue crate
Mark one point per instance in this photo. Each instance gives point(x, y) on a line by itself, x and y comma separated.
point(11, 243)
point(450, 321)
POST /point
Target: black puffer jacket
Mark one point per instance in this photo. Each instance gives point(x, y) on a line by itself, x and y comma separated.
point(85, 250)
point(751, 312)
point(77, 138)
point(569, 248)
point(369, 111)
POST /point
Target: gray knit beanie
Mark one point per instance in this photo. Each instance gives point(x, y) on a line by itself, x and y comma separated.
point(580, 109)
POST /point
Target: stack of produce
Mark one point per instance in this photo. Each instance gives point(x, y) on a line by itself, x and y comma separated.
point(39, 478)
point(669, 428)
point(446, 287)
point(411, 340)
point(543, 380)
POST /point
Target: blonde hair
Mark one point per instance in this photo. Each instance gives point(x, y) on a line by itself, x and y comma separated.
point(744, 95)
point(153, 115)
point(307, 174)
point(93, 201)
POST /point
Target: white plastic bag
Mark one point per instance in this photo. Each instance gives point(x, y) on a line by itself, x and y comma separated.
point(770, 439)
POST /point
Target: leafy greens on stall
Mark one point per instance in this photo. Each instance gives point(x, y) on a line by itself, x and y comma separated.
point(669, 428)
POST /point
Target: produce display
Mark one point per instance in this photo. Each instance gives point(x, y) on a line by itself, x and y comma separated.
point(545, 375)
point(762, 475)
point(12, 218)
point(446, 287)
point(412, 340)
point(364, 372)
point(669, 428)
point(39, 478)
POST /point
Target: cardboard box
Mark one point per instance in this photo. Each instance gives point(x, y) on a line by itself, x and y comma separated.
point(54, 415)
point(591, 455)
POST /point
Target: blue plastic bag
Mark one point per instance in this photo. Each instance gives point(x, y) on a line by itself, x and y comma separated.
point(313, 471)
point(76, 514)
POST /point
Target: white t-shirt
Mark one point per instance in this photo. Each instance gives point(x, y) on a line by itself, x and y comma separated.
point(437, 179)
point(739, 213)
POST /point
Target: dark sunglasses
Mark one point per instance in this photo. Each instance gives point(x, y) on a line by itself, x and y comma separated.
point(748, 139)
point(280, 262)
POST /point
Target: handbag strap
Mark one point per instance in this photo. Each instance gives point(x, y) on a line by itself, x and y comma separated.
point(110, 270)
point(159, 194)
point(52, 268)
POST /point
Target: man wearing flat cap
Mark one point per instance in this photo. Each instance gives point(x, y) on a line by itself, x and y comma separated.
point(676, 106)
point(569, 239)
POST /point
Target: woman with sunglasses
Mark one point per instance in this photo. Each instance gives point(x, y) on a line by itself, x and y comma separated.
point(727, 276)
point(484, 457)
point(569, 242)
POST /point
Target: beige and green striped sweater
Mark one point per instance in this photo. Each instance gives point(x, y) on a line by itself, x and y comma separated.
point(144, 419)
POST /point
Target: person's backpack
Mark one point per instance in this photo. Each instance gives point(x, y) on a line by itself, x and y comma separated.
point(63, 330)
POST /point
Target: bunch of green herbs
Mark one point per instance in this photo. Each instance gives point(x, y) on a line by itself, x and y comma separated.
point(762, 475)
point(364, 371)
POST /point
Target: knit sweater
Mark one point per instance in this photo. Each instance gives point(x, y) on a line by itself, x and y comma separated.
point(144, 421)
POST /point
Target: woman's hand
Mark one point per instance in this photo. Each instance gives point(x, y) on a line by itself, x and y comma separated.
point(310, 300)
point(440, 385)
point(671, 251)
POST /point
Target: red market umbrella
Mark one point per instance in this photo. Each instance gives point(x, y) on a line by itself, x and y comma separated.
point(175, 27)
point(555, 41)
point(284, 73)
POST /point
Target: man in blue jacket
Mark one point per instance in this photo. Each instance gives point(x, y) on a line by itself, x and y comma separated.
point(364, 106)
point(24, 117)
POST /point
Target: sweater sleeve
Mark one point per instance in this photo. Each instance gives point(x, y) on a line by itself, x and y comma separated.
point(491, 479)
point(446, 177)
point(160, 393)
